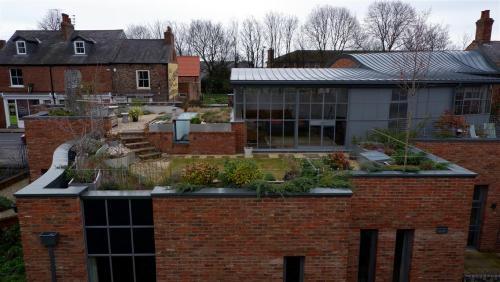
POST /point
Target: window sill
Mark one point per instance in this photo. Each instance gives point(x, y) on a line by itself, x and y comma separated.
point(16, 86)
point(143, 88)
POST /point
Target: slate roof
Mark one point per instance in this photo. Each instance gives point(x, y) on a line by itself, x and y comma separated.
point(379, 68)
point(490, 50)
point(103, 47)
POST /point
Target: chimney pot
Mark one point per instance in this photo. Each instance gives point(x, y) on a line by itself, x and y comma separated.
point(2, 44)
point(483, 27)
point(169, 36)
point(67, 27)
point(270, 57)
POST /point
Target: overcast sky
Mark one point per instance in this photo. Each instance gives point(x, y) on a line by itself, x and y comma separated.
point(459, 15)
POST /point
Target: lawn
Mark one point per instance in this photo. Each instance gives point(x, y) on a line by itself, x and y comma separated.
point(215, 99)
point(276, 166)
point(479, 262)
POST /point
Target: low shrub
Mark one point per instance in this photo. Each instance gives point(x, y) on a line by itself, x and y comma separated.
point(333, 180)
point(337, 161)
point(5, 203)
point(201, 173)
point(307, 169)
point(186, 187)
point(448, 123)
point(196, 120)
point(413, 158)
point(60, 112)
point(217, 116)
point(297, 185)
point(269, 177)
point(240, 172)
point(11, 255)
point(371, 167)
point(408, 168)
point(80, 175)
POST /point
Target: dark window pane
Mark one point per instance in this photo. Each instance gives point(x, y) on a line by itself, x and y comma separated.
point(367, 255)
point(276, 133)
point(331, 96)
point(97, 241)
point(118, 212)
point(328, 135)
point(289, 134)
point(402, 255)
point(304, 111)
point(276, 111)
point(142, 212)
point(251, 133)
point(265, 96)
point(317, 97)
point(340, 129)
point(290, 96)
point(100, 270)
point(329, 110)
point(303, 132)
point(251, 111)
point(251, 96)
point(342, 96)
point(238, 112)
point(123, 269)
point(315, 137)
point(120, 240)
point(95, 212)
point(341, 111)
point(238, 96)
point(316, 111)
point(144, 241)
point(304, 96)
point(145, 269)
point(289, 111)
point(294, 269)
point(264, 134)
point(277, 96)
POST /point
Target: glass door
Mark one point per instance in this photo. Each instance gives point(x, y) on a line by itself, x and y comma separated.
point(12, 113)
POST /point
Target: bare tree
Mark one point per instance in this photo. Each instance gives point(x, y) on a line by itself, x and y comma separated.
point(342, 27)
point(466, 40)
point(290, 26)
point(233, 37)
point(51, 20)
point(211, 42)
point(316, 28)
point(387, 21)
point(135, 31)
point(273, 26)
point(251, 41)
point(181, 33)
point(157, 29)
point(425, 36)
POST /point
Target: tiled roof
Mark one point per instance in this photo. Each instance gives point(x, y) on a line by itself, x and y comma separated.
point(188, 65)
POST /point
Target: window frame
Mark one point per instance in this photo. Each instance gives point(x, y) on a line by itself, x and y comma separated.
point(17, 77)
point(25, 48)
point(75, 47)
point(137, 79)
point(399, 99)
point(464, 97)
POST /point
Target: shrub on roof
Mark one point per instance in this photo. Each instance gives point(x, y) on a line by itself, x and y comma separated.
point(240, 172)
point(201, 173)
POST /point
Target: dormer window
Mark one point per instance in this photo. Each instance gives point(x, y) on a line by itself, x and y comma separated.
point(21, 47)
point(79, 48)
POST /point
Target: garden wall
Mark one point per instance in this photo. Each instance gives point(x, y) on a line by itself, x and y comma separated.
point(245, 239)
point(419, 203)
point(45, 133)
point(209, 139)
point(483, 157)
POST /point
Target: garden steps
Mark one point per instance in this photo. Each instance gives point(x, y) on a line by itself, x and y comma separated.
point(136, 141)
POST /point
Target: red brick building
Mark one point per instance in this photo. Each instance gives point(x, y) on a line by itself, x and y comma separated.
point(42, 67)
point(189, 77)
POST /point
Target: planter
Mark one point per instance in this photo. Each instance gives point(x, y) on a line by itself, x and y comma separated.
point(248, 152)
point(91, 186)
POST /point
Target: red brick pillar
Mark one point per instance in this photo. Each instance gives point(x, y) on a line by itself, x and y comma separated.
point(240, 131)
point(62, 215)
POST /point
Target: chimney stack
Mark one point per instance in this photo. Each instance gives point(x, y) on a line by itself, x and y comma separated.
point(270, 57)
point(169, 36)
point(2, 44)
point(483, 27)
point(67, 27)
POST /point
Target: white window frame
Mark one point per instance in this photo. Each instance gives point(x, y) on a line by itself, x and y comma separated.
point(24, 47)
point(11, 81)
point(137, 79)
point(76, 47)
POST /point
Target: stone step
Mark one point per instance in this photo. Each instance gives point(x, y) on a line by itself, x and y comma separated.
point(143, 149)
point(137, 144)
point(131, 138)
point(148, 156)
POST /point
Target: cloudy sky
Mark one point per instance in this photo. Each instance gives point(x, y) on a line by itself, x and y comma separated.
point(458, 15)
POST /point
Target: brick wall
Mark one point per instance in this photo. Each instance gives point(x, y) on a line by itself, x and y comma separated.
point(245, 239)
point(45, 134)
point(61, 215)
point(204, 143)
point(388, 204)
point(482, 157)
point(125, 80)
point(345, 63)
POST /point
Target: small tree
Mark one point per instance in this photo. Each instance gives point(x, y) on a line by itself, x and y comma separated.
point(51, 20)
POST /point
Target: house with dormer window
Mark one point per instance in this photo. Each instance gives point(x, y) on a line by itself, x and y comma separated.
point(42, 67)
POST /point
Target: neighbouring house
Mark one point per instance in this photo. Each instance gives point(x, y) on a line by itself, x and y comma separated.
point(42, 67)
point(189, 77)
point(325, 108)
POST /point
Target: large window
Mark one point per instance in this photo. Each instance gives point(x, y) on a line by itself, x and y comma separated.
point(16, 78)
point(21, 47)
point(402, 255)
point(293, 269)
point(142, 79)
point(398, 109)
point(476, 215)
point(120, 240)
point(472, 100)
point(292, 117)
point(367, 255)
point(79, 47)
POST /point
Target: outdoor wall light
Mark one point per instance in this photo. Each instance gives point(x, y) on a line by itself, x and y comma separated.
point(49, 240)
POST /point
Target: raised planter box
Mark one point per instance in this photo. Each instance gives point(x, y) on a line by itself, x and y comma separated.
point(91, 186)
